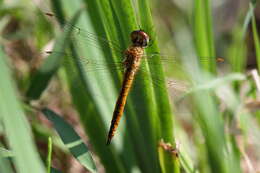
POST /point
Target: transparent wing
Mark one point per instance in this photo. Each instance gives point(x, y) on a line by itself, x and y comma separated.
point(176, 75)
point(90, 65)
point(168, 59)
point(93, 64)
point(83, 37)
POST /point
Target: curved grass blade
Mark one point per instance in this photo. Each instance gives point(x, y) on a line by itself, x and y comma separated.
point(71, 139)
point(42, 77)
point(17, 129)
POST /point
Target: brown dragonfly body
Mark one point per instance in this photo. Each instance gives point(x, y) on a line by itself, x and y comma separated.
point(133, 56)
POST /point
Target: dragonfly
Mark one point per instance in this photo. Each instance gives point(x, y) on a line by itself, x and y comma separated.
point(130, 63)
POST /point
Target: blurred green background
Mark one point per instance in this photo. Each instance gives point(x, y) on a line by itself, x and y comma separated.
point(194, 106)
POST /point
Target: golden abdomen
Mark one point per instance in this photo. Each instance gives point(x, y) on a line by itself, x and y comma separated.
point(132, 62)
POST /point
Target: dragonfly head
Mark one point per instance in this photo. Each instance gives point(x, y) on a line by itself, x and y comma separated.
point(140, 38)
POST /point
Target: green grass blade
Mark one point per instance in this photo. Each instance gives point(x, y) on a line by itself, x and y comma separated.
point(163, 106)
point(5, 163)
point(256, 39)
point(248, 17)
point(17, 129)
point(5, 153)
point(71, 139)
point(5, 167)
point(49, 155)
point(203, 34)
point(213, 131)
point(42, 77)
point(164, 113)
point(237, 49)
point(209, 119)
point(91, 118)
point(212, 128)
point(168, 157)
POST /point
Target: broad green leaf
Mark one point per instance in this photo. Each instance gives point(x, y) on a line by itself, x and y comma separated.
point(71, 139)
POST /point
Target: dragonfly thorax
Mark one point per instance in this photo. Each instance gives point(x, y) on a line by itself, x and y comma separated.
point(133, 55)
point(139, 38)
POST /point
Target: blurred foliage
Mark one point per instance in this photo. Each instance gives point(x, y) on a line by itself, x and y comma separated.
point(193, 107)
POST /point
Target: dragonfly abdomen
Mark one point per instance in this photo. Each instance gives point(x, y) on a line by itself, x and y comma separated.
point(132, 63)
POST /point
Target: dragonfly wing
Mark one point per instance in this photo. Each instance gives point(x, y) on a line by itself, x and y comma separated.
point(88, 69)
point(97, 56)
point(173, 59)
point(172, 66)
point(179, 86)
point(83, 37)
point(165, 82)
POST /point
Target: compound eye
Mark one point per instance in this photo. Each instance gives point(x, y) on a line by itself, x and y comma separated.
point(139, 38)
